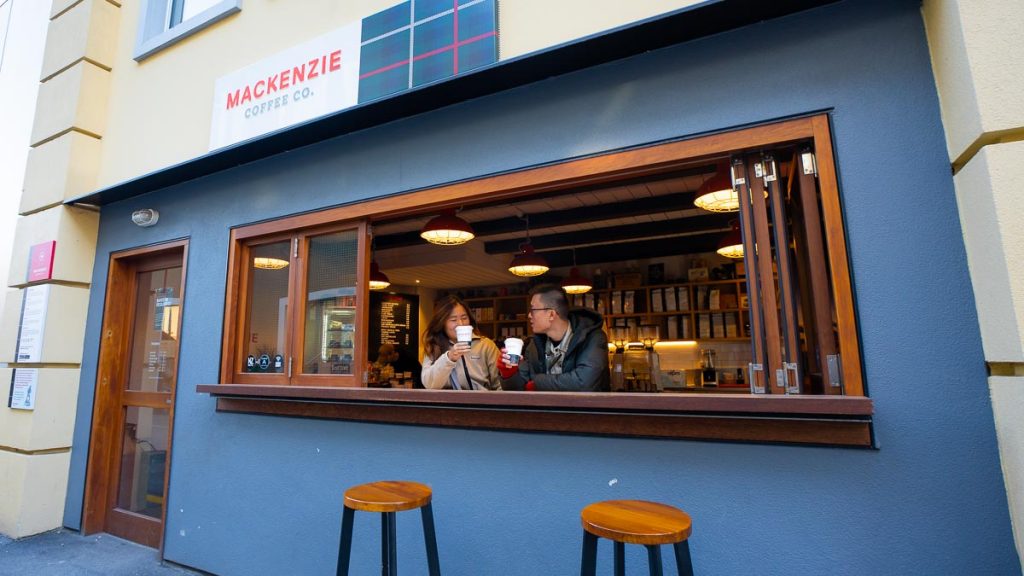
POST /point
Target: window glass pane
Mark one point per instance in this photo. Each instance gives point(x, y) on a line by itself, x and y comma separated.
point(154, 354)
point(268, 308)
point(140, 486)
point(330, 336)
point(193, 7)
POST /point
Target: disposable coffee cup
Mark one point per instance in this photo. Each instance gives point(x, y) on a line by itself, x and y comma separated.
point(514, 349)
point(464, 334)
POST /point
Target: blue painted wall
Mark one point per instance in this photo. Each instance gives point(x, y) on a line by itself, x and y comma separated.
point(263, 495)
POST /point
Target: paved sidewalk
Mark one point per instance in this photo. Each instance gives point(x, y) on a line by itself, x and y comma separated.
point(67, 553)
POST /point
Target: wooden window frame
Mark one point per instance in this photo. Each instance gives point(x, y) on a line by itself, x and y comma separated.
point(827, 420)
point(236, 308)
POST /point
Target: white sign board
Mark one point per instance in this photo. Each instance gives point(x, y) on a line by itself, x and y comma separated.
point(304, 82)
point(24, 382)
point(33, 319)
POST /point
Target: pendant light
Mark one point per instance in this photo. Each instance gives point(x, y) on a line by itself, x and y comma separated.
point(447, 229)
point(717, 194)
point(526, 262)
point(731, 245)
point(267, 263)
point(576, 283)
point(378, 279)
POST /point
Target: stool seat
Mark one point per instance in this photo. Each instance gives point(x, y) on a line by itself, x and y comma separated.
point(388, 496)
point(636, 522)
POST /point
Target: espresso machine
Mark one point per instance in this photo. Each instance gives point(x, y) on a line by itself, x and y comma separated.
point(635, 366)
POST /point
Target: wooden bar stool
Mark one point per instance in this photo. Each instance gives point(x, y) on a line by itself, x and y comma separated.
point(636, 522)
point(388, 497)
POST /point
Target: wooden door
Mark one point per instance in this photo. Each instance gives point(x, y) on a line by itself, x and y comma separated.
point(129, 455)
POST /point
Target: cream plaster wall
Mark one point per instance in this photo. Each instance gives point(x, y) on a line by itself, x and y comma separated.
point(61, 168)
point(34, 486)
point(978, 59)
point(74, 99)
point(978, 55)
point(530, 25)
point(1008, 408)
point(48, 426)
point(88, 30)
point(988, 194)
point(164, 103)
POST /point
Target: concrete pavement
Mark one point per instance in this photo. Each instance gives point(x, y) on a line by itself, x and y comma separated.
point(68, 553)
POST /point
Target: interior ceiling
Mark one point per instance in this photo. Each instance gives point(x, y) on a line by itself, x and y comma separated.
point(636, 219)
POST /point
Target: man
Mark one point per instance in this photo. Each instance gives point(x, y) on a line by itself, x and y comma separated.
point(568, 351)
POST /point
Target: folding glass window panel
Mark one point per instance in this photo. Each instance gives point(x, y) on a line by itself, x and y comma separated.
point(329, 330)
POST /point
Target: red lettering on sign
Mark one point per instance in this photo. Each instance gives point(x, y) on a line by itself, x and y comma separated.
point(292, 76)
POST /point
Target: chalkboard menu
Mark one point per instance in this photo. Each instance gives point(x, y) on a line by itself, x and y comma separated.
point(394, 319)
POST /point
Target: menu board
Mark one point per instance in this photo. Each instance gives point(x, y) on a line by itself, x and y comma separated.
point(394, 319)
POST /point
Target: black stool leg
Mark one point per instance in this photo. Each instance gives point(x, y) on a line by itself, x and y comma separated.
point(620, 559)
point(431, 539)
point(654, 560)
point(388, 545)
point(683, 562)
point(588, 565)
point(345, 544)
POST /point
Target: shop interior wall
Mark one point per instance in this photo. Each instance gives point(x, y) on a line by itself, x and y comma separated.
point(263, 495)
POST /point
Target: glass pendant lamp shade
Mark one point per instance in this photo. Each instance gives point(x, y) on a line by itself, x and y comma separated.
point(731, 245)
point(378, 279)
point(716, 194)
point(447, 229)
point(527, 263)
point(267, 263)
point(576, 283)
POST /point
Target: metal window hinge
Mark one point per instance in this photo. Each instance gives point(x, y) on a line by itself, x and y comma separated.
point(769, 169)
point(809, 163)
point(835, 370)
point(792, 383)
point(295, 247)
point(736, 180)
point(289, 366)
point(756, 385)
point(366, 376)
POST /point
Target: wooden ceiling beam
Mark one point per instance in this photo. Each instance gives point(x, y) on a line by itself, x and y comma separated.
point(614, 234)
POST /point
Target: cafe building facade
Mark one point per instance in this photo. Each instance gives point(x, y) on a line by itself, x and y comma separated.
point(802, 372)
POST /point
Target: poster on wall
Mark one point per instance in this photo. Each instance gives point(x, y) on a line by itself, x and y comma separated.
point(24, 382)
point(33, 320)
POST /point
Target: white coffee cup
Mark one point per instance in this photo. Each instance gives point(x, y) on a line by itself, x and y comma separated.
point(464, 334)
point(514, 349)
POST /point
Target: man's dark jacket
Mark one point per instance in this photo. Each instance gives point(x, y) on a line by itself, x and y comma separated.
point(585, 367)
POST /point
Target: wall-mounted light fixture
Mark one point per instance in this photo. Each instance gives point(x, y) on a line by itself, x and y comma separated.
point(527, 262)
point(447, 229)
point(145, 218)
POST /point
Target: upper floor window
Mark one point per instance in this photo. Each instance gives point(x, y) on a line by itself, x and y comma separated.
point(164, 22)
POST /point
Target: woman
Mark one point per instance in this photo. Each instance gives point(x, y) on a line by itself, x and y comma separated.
point(455, 365)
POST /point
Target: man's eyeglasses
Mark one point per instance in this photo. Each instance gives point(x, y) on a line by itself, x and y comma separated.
point(532, 310)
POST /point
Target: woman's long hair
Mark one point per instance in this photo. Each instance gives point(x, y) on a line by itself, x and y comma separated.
point(435, 341)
